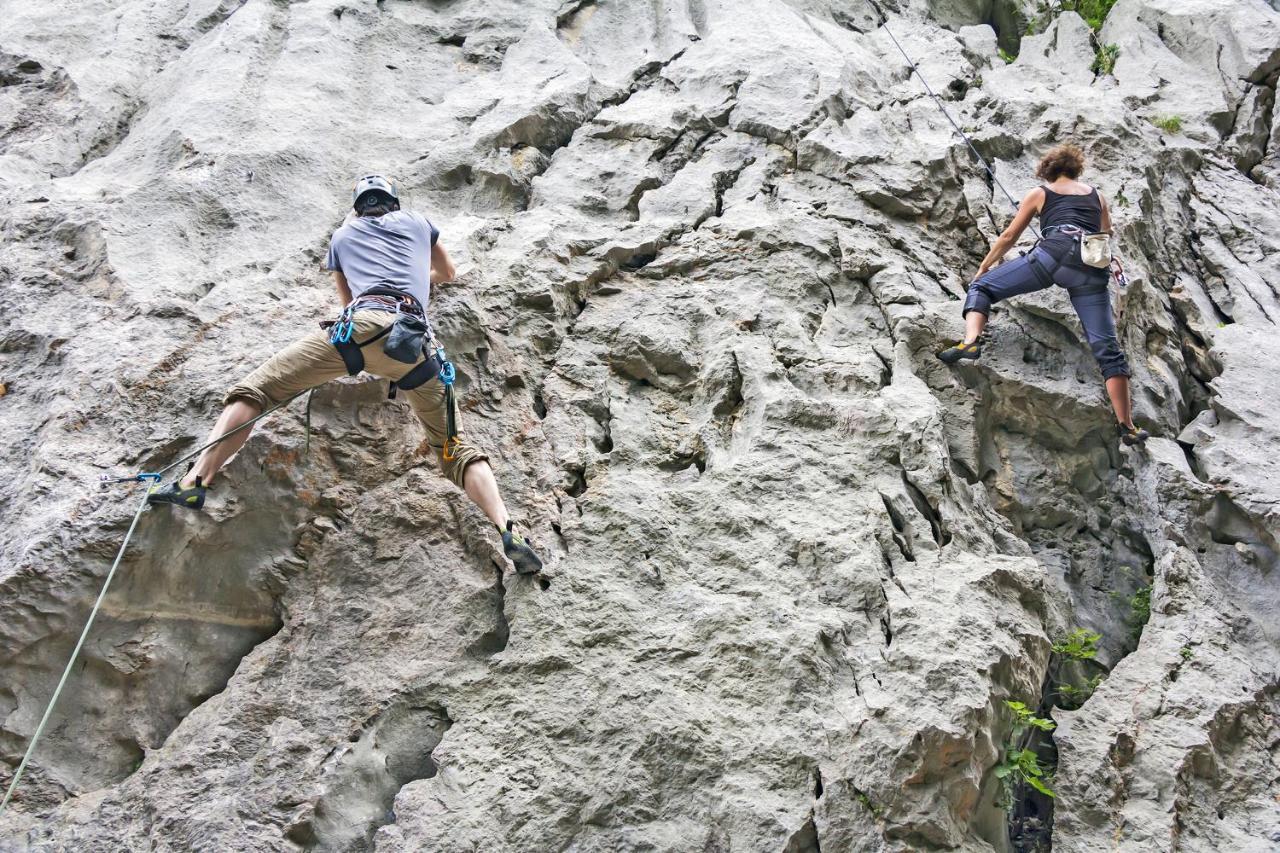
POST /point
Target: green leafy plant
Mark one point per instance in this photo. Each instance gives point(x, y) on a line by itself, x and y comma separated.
point(1006, 55)
point(1186, 653)
point(1077, 695)
point(1121, 198)
point(1139, 611)
point(868, 803)
point(1104, 59)
point(1080, 644)
point(1021, 764)
point(1169, 124)
point(1025, 718)
point(1094, 13)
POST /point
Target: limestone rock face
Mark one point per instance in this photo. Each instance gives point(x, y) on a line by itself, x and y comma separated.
point(796, 567)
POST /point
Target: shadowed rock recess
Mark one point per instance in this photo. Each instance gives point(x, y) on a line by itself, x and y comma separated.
point(796, 566)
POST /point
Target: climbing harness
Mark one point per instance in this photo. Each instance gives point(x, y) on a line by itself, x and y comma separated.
point(884, 23)
point(410, 323)
point(1093, 248)
point(341, 333)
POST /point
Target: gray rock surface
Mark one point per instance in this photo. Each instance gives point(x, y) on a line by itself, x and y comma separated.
point(796, 566)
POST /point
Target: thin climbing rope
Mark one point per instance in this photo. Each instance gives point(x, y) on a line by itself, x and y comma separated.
point(152, 478)
point(202, 448)
point(884, 23)
point(62, 682)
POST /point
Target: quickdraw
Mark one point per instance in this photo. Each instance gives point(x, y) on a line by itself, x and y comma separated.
point(136, 478)
point(447, 375)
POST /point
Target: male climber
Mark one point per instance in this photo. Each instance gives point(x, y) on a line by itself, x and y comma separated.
point(384, 261)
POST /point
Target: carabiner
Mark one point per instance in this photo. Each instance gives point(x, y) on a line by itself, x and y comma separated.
point(447, 372)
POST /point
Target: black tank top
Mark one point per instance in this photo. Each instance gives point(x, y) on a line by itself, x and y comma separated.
point(1082, 211)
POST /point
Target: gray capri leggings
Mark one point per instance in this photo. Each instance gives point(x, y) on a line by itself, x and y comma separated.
point(1041, 268)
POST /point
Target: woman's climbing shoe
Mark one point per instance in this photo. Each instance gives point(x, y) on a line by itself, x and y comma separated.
point(951, 355)
point(191, 498)
point(519, 552)
point(1132, 435)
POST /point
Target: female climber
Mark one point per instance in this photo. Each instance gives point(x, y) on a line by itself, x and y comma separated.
point(1067, 209)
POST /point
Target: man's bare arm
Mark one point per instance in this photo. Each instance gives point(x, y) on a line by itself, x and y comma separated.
point(344, 290)
point(441, 267)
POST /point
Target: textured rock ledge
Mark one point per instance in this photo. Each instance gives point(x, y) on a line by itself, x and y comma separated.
point(796, 565)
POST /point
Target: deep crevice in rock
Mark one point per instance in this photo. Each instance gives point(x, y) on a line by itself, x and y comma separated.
point(577, 480)
point(805, 839)
point(926, 509)
point(390, 751)
point(1031, 817)
point(494, 640)
point(899, 533)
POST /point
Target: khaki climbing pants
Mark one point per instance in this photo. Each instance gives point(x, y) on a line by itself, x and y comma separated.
point(312, 360)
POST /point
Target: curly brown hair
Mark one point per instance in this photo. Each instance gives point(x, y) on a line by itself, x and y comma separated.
point(1061, 160)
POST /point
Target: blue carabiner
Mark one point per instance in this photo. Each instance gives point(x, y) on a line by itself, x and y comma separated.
point(341, 332)
point(133, 478)
point(447, 373)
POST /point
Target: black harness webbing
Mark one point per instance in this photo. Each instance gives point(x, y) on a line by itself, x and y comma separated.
point(420, 374)
point(353, 356)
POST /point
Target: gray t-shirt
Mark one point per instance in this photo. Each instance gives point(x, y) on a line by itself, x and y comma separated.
point(393, 250)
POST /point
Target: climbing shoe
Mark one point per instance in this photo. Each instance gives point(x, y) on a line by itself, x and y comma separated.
point(191, 498)
point(951, 355)
point(519, 552)
point(1132, 435)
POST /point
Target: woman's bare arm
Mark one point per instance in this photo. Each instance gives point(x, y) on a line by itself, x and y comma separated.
point(1031, 204)
point(1106, 214)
